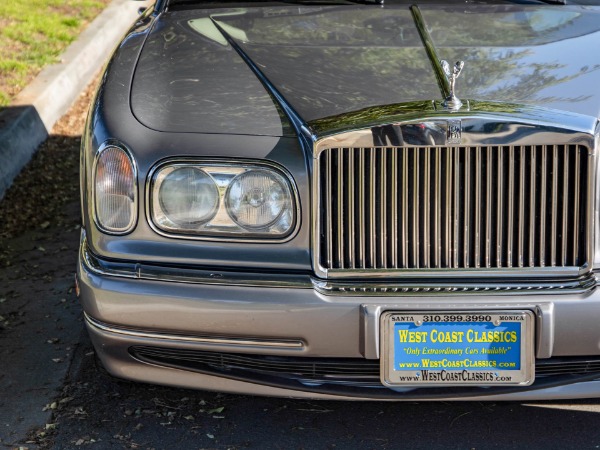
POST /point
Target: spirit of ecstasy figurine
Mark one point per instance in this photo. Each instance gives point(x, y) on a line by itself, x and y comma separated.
point(452, 101)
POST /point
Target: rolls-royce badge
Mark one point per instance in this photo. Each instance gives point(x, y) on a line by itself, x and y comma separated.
point(454, 133)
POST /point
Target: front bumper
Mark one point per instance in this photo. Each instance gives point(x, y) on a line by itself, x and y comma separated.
point(160, 330)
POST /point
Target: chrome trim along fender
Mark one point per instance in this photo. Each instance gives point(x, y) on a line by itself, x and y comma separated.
point(187, 275)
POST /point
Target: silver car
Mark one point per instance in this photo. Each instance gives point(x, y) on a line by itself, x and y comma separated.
point(348, 200)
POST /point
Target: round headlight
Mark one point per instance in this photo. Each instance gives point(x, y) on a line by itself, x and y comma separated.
point(188, 197)
point(257, 198)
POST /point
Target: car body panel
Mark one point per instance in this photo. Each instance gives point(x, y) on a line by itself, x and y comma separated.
point(184, 83)
point(111, 118)
point(329, 326)
point(364, 57)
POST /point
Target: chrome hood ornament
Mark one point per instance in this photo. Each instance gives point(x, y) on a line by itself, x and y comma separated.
point(452, 101)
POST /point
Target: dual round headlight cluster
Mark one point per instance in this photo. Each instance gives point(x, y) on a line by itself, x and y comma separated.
point(214, 199)
point(200, 199)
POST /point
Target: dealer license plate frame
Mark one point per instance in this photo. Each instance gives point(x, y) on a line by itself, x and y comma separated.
point(433, 377)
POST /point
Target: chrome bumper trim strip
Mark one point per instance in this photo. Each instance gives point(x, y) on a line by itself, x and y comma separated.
point(232, 341)
point(188, 275)
point(512, 287)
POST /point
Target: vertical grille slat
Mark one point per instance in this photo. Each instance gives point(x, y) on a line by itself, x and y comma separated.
point(456, 207)
point(500, 209)
point(488, 209)
point(477, 205)
point(415, 209)
point(449, 210)
point(404, 223)
point(437, 210)
point(361, 210)
point(382, 233)
point(521, 219)
point(329, 207)
point(372, 260)
point(576, 212)
point(544, 178)
point(393, 244)
point(406, 208)
point(467, 210)
point(565, 206)
point(532, 203)
point(340, 208)
point(511, 206)
point(554, 205)
point(351, 216)
point(426, 206)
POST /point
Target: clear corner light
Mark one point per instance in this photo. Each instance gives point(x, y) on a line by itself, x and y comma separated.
point(115, 192)
point(244, 201)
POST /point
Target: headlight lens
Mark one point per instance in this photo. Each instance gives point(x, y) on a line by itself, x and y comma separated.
point(188, 197)
point(115, 191)
point(257, 198)
point(222, 200)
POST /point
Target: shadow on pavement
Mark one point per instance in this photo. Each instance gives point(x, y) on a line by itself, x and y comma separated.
point(40, 319)
point(119, 414)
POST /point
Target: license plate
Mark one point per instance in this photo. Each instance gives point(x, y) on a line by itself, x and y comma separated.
point(457, 348)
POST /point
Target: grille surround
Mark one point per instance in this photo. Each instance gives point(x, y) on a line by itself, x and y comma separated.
point(482, 157)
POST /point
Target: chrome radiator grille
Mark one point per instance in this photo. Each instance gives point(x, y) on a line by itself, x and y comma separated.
point(453, 207)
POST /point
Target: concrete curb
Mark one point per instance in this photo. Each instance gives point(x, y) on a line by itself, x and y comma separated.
point(26, 123)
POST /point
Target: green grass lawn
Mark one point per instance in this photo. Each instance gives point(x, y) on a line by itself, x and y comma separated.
point(33, 33)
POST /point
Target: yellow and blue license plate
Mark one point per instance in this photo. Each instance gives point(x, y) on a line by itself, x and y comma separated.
point(457, 348)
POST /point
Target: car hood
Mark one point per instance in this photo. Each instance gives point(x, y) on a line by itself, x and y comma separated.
point(237, 70)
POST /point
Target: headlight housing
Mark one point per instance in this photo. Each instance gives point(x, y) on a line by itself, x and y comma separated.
point(222, 200)
point(115, 190)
